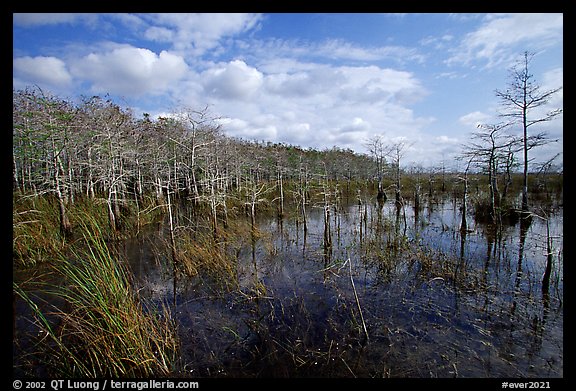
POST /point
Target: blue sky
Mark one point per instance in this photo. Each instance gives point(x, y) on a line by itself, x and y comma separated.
point(315, 80)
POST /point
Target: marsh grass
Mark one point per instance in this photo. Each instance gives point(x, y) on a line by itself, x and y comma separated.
point(201, 254)
point(35, 230)
point(103, 329)
point(35, 225)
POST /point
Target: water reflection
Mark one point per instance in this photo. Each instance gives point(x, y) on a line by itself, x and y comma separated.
point(435, 299)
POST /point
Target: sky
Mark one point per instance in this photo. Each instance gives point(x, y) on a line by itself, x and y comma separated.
point(313, 80)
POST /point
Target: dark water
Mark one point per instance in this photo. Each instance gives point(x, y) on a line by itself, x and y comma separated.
point(399, 293)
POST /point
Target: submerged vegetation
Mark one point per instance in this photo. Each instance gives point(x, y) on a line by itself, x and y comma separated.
point(162, 247)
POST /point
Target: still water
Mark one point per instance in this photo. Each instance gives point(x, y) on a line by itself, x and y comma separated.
point(398, 292)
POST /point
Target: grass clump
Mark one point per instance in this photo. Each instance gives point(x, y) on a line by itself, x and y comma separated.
point(103, 329)
point(202, 254)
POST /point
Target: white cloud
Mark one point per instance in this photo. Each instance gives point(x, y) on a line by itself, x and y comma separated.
point(554, 77)
point(299, 131)
point(160, 34)
point(333, 49)
point(49, 72)
point(437, 42)
point(497, 38)
point(376, 85)
point(340, 49)
point(474, 119)
point(129, 70)
point(234, 80)
point(315, 80)
point(233, 126)
point(443, 139)
point(309, 104)
point(356, 130)
point(550, 81)
point(359, 124)
point(240, 128)
point(194, 34)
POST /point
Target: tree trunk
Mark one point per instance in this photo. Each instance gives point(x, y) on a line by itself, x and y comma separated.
point(281, 206)
point(549, 259)
point(525, 139)
point(159, 194)
point(65, 226)
point(463, 222)
point(381, 197)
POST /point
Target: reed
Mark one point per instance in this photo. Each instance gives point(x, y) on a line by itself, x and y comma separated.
point(35, 233)
point(199, 253)
point(104, 329)
point(35, 224)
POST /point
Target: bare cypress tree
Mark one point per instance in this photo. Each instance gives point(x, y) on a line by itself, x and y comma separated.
point(518, 100)
point(54, 117)
point(378, 150)
point(395, 152)
point(490, 152)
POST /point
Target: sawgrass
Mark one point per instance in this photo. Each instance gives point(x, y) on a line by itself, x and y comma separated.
point(103, 329)
point(35, 230)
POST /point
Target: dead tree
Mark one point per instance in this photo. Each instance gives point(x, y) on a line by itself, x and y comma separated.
point(493, 146)
point(519, 100)
point(378, 150)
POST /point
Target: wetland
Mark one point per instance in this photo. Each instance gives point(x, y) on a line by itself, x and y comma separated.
point(390, 291)
point(161, 247)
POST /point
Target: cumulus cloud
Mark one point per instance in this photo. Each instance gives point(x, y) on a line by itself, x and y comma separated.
point(374, 84)
point(316, 105)
point(129, 70)
point(234, 80)
point(353, 133)
point(251, 130)
point(358, 124)
point(313, 81)
point(50, 72)
point(299, 132)
point(363, 84)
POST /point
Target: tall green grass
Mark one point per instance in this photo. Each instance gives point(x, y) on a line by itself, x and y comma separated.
point(35, 230)
point(104, 329)
point(35, 224)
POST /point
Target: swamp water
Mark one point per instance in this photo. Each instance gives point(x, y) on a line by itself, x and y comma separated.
point(398, 292)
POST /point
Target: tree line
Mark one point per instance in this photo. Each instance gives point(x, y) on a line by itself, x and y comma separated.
point(97, 149)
